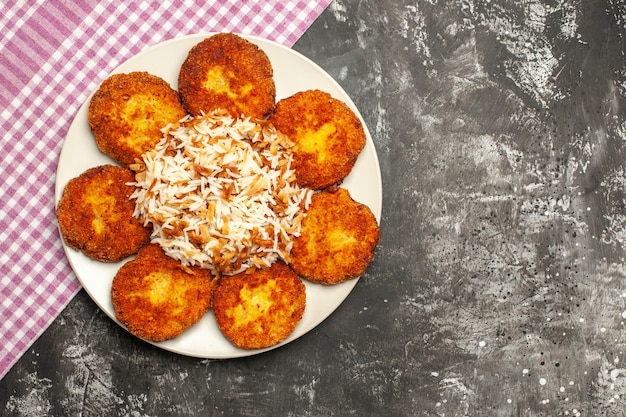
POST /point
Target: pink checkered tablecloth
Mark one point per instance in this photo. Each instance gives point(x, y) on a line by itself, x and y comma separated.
point(53, 55)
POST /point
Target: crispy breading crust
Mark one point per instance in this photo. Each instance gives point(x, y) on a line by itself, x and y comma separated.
point(337, 241)
point(156, 298)
point(328, 136)
point(259, 309)
point(95, 214)
point(227, 72)
point(128, 111)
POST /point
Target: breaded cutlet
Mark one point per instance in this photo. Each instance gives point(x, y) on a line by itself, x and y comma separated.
point(328, 136)
point(156, 298)
point(228, 72)
point(95, 214)
point(337, 239)
point(259, 309)
point(128, 111)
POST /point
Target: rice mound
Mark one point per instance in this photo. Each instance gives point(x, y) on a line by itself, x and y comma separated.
point(220, 193)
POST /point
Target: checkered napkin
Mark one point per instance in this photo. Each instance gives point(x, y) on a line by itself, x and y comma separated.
point(53, 54)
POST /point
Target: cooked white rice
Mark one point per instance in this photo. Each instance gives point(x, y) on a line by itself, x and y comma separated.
point(221, 194)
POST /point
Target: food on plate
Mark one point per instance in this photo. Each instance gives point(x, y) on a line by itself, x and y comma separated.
point(128, 111)
point(226, 71)
point(229, 199)
point(95, 214)
point(328, 136)
point(221, 194)
point(338, 238)
point(157, 298)
point(259, 309)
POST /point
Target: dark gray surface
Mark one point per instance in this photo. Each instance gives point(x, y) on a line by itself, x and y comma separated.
point(498, 288)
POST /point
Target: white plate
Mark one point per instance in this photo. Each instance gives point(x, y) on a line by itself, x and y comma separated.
point(292, 73)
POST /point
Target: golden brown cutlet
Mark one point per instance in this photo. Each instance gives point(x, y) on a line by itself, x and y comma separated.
point(228, 72)
point(337, 239)
point(128, 111)
point(259, 309)
point(328, 136)
point(156, 298)
point(95, 214)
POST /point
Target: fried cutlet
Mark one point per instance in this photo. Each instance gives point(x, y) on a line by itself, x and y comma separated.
point(95, 214)
point(328, 136)
point(259, 309)
point(156, 298)
point(228, 72)
point(128, 111)
point(337, 239)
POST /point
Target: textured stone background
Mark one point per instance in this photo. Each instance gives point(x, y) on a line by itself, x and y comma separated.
point(499, 285)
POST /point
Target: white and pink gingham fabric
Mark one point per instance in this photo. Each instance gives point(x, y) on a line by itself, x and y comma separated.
point(53, 54)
